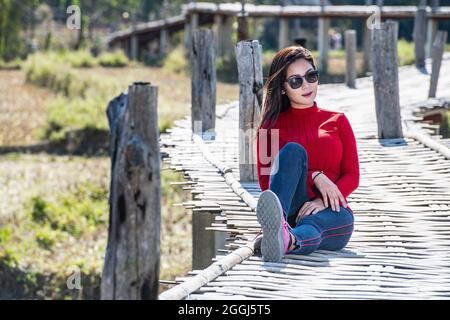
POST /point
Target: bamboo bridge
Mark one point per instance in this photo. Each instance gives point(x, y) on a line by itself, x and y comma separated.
point(400, 248)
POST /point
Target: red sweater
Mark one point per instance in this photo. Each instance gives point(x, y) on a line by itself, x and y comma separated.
point(328, 140)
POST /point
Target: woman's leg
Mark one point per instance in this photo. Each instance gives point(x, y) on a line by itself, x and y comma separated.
point(288, 179)
point(325, 230)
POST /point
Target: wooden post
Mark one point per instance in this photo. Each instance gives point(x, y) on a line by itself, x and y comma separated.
point(134, 47)
point(218, 34)
point(193, 26)
point(283, 36)
point(163, 35)
point(431, 34)
point(297, 28)
point(438, 51)
point(205, 243)
point(324, 41)
point(366, 47)
point(249, 61)
point(420, 35)
point(194, 21)
point(242, 19)
point(187, 38)
point(350, 55)
point(131, 268)
point(203, 84)
point(431, 28)
point(385, 80)
point(228, 46)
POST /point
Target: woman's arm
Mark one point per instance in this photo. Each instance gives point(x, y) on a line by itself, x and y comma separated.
point(310, 184)
point(348, 181)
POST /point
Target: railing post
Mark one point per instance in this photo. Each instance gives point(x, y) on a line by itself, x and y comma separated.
point(366, 48)
point(203, 84)
point(420, 35)
point(385, 80)
point(438, 51)
point(324, 42)
point(163, 37)
point(350, 57)
point(228, 46)
point(131, 269)
point(218, 34)
point(191, 27)
point(431, 28)
point(203, 117)
point(249, 61)
point(242, 19)
point(283, 36)
point(134, 48)
point(204, 247)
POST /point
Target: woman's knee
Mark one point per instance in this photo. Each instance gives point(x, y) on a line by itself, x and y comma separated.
point(346, 216)
point(295, 151)
point(294, 147)
point(292, 156)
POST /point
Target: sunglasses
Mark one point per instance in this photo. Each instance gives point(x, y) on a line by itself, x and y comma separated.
point(296, 81)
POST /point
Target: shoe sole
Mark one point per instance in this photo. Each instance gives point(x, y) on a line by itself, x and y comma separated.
point(268, 212)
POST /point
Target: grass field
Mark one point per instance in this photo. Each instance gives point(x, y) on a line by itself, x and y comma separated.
point(53, 213)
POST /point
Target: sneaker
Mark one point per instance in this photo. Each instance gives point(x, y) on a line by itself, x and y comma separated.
point(275, 242)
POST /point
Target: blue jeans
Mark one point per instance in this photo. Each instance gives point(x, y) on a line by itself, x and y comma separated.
point(326, 229)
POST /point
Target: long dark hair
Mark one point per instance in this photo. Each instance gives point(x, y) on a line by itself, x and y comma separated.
point(275, 102)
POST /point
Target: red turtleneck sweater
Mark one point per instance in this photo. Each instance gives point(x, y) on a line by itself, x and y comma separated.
point(328, 140)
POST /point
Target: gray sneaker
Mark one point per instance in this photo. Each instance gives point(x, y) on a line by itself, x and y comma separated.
point(275, 240)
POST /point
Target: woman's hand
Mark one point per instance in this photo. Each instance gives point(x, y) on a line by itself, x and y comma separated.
point(310, 207)
point(330, 192)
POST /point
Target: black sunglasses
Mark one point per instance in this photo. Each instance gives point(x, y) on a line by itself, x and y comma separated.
point(296, 81)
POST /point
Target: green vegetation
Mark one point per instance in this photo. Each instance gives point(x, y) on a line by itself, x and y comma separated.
point(114, 59)
point(405, 51)
point(10, 65)
point(81, 101)
point(445, 125)
point(176, 62)
point(83, 94)
point(60, 231)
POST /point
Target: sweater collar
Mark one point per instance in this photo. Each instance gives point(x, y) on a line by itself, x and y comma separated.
point(304, 111)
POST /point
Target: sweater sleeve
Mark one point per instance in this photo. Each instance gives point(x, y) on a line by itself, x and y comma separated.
point(263, 156)
point(348, 180)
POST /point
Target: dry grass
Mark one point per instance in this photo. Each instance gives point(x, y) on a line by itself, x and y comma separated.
point(52, 178)
point(24, 176)
point(22, 109)
point(174, 90)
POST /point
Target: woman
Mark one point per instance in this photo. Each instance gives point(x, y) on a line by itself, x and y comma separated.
point(307, 163)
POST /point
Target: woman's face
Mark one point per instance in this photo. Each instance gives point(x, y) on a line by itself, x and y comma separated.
point(303, 96)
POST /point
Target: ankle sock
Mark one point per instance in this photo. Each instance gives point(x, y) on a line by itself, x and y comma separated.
point(292, 240)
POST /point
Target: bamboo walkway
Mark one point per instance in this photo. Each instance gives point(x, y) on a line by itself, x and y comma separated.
point(400, 248)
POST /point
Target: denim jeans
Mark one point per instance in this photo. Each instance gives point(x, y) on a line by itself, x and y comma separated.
point(326, 229)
